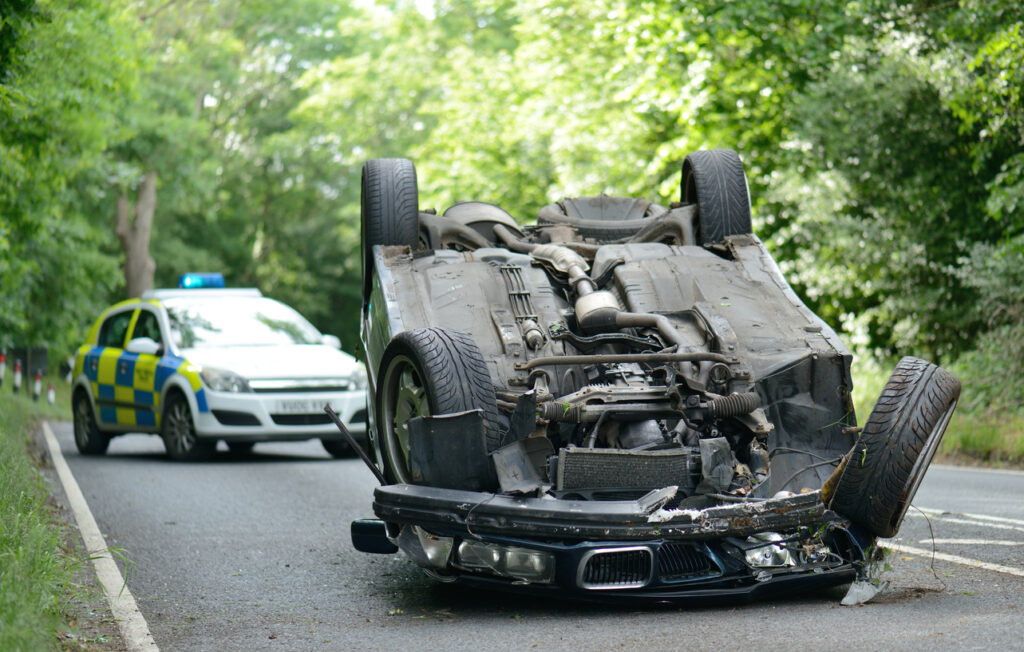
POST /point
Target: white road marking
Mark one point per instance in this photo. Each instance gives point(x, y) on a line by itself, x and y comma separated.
point(980, 517)
point(974, 542)
point(975, 469)
point(954, 559)
point(126, 612)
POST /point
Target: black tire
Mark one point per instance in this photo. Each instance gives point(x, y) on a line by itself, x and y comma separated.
point(337, 449)
point(879, 477)
point(446, 374)
point(179, 432)
point(89, 439)
point(714, 180)
point(389, 209)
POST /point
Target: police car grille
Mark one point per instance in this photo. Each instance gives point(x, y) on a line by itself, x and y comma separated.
point(300, 419)
point(283, 389)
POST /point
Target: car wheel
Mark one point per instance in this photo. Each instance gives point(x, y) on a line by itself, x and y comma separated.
point(179, 432)
point(89, 439)
point(714, 180)
point(337, 449)
point(430, 371)
point(389, 209)
point(878, 478)
point(241, 447)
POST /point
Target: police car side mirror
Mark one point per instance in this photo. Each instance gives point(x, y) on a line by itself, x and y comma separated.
point(143, 345)
point(331, 340)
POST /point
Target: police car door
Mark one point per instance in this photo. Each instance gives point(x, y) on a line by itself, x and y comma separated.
point(110, 394)
point(140, 369)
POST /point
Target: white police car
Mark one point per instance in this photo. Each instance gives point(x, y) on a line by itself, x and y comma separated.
point(197, 365)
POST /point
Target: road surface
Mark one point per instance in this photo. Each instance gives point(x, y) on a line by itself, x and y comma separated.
point(253, 553)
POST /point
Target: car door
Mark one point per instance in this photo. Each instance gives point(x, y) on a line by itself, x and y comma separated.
point(104, 364)
point(139, 371)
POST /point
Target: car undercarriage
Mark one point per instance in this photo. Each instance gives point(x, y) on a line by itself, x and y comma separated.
point(620, 400)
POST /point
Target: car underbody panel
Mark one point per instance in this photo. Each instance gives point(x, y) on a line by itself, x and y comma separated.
point(620, 399)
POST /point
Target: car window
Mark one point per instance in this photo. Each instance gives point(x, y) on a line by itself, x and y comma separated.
point(147, 325)
point(114, 329)
point(203, 322)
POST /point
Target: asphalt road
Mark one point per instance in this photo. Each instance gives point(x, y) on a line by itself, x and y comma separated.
point(253, 553)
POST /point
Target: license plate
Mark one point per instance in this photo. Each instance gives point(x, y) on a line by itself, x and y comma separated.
point(298, 406)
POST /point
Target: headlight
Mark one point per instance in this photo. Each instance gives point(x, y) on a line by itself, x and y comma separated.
point(222, 380)
point(523, 564)
point(767, 551)
point(358, 378)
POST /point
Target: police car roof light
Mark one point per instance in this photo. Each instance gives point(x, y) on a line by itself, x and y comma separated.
point(201, 280)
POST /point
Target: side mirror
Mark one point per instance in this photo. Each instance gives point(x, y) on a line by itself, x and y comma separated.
point(331, 340)
point(143, 345)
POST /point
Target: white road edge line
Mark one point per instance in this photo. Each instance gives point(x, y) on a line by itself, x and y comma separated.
point(954, 559)
point(129, 619)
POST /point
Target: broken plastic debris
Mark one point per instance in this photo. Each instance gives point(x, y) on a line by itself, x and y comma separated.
point(861, 592)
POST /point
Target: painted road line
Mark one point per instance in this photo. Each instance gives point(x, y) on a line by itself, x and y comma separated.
point(980, 517)
point(129, 619)
point(994, 526)
point(975, 469)
point(953, 559)
point(974, 542)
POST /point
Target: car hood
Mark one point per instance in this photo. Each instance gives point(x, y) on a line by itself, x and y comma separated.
point(289, 361)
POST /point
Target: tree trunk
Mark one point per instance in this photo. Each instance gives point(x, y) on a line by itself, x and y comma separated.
point(134, 226)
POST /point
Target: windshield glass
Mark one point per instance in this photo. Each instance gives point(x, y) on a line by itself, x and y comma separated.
point(205, 322)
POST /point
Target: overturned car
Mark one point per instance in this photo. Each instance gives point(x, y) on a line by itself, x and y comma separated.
point(621, 400)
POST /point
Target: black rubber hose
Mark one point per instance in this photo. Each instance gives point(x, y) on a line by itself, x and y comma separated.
point(736, 405)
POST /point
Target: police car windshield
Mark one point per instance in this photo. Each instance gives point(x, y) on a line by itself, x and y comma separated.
point(209, 321)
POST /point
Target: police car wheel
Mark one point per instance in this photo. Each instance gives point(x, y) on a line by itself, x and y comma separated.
point(179, 432)
point(88, 437)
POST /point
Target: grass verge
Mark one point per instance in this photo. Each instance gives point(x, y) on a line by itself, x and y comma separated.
point(973, 437)
point(38, 567)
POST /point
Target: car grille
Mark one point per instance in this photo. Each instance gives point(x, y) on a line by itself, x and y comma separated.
point(616, 568)
point(358, 417)
point(312, 385)
point(679, 561)
point(234, 418)
point(300, 419)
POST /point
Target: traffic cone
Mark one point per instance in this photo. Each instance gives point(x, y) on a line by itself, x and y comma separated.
point(37, 387)
point(17, 376)
point(51, 394)
point(3, 368)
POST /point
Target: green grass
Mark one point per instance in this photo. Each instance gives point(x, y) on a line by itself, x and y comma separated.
point(36, 570)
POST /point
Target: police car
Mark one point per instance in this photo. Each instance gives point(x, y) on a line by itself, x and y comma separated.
point(204, 363)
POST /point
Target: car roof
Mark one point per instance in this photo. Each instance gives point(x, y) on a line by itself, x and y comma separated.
point(174, 293)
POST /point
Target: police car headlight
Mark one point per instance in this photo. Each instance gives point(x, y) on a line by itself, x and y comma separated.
point(358, 378)
point(222, 380)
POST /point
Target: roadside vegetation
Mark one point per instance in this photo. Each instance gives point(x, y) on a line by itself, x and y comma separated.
point(37, 567)
point(140, 139)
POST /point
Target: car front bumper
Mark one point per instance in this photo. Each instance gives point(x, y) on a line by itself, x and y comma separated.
point(281, 416)
point(622, 549)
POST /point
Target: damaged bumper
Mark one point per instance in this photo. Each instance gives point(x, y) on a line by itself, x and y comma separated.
point(608, 549)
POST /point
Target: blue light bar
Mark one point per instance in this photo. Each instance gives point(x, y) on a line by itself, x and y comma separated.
point(201, 280)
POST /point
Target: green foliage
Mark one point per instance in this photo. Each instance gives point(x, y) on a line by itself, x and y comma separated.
point(61, 93)
point(881, 140)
